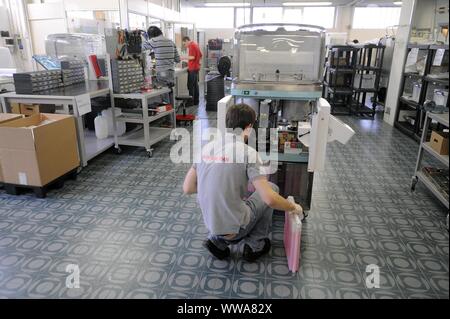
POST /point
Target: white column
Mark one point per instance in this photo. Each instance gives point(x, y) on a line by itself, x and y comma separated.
point(123, 12)
point(344, 17)
point(399, 57)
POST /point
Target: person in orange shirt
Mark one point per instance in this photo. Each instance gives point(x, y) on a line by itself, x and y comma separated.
point(194, 58)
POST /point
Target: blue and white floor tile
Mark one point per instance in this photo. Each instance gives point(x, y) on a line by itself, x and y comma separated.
point(133, 233)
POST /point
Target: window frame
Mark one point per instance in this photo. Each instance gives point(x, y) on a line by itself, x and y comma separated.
point(231, 9)
point(244, 8)
point(333, 24)
point(370, 28)
point(285, 8)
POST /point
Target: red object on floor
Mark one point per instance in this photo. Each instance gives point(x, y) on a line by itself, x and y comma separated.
point(187, 117)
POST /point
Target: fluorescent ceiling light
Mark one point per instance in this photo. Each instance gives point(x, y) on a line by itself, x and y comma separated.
point(306, 4)
point(398, 3)
point(227, 4)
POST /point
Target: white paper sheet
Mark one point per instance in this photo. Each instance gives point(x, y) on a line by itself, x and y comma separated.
point(83, 104)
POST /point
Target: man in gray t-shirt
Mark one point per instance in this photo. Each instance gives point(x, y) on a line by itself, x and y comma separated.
point(221, 181)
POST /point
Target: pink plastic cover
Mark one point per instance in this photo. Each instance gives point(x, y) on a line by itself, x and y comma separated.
point(292, 238)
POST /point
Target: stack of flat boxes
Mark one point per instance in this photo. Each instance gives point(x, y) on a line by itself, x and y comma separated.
point(34, 82)
point(127, 76)
point(72, 72)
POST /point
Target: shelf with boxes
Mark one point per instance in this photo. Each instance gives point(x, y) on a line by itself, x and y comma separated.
point(424, 87)
point(435, 177)
point(37, 81)
point(127, 76)
point(72, 72)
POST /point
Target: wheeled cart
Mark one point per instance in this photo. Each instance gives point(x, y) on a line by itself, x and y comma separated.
point(143, 135)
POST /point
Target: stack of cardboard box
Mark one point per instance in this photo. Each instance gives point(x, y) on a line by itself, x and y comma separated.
point(5, 117)
point(38, 149)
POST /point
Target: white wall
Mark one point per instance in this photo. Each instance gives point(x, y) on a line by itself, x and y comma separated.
point(427, 16)
point(424, 16)
point(218, 33)
point(360, 34)
point(45, 19)
point(105, 5)
point(367, 34)
point(344, 17)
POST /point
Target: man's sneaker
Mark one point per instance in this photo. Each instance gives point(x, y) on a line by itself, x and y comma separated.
point(216, 252)
point(251, 256)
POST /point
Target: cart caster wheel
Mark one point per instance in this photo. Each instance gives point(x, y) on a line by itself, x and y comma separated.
point(118, 150)
point(414, 181)
point(150, 154)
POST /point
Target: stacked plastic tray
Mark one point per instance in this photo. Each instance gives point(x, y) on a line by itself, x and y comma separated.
point(38, 81)
point(127, 76)
point(72, 72)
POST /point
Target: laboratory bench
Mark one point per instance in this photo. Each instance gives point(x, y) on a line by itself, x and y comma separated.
point(6, 85)
point(73, 100)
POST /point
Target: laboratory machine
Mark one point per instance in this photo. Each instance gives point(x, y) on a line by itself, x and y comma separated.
point(277, 70)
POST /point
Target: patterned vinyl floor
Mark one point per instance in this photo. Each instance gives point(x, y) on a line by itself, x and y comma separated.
point(133, 234)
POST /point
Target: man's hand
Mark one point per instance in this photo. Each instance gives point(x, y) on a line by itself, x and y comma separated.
point(298, 210)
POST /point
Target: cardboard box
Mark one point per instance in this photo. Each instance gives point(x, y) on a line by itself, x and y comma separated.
point(439, 142)
point(15, 108)
point(6, 117)
point(38, 149)
point(31, 109)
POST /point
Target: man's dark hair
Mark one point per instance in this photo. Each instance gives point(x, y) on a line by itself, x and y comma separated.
point(240, 116)
point(154, 32)
point(186, 39)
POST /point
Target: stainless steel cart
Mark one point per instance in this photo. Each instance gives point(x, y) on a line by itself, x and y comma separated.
point(144, 135)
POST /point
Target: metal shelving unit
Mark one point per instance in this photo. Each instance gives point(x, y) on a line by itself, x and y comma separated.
point(419, 174)
point(369, 65)
point(430, 76)
point(144, 135)
point(339, 76)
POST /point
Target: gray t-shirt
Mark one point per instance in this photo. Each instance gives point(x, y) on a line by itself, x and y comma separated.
point(222, 183)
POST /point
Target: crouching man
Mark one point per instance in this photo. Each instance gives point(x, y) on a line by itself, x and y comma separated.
point(221, 184)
